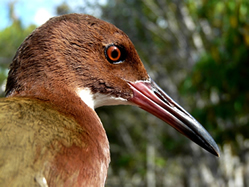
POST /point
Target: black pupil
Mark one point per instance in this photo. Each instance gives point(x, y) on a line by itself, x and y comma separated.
point(114, 54)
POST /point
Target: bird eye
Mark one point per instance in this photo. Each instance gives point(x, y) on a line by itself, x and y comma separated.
point(115, 54)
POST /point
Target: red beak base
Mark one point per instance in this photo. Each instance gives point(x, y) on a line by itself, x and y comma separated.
point(150, 97)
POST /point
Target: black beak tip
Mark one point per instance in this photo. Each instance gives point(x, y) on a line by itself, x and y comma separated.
point(215, 150)
point(209, 145)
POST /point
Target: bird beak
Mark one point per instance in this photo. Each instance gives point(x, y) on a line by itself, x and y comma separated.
point(150, 97)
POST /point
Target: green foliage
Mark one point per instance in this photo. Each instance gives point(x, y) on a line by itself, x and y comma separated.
point(10, 39)
point(220, 77)
point(63, 9)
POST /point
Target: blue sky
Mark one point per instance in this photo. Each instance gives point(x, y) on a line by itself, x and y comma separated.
point(39, 11)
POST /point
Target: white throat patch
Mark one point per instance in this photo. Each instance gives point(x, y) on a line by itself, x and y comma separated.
point(97, 100)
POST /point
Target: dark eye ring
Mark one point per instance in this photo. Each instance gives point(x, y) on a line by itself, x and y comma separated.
point(115, 54)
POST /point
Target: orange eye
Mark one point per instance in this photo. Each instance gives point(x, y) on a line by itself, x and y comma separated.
point(114, 54)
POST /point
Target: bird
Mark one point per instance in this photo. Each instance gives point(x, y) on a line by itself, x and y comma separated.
point(64, 70)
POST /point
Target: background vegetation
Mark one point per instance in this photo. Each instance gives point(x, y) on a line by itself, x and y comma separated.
point(198, 52)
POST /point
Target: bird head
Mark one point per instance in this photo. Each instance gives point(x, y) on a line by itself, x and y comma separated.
point(98, 63)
